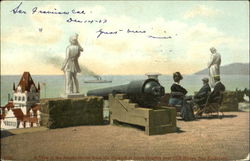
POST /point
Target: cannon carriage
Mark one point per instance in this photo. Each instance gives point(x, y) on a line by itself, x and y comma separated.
point(137, 103)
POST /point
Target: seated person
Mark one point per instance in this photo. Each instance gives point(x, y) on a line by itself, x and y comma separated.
point(218, 88)
point(177, 97)
point(200, 98)
point(177, 91)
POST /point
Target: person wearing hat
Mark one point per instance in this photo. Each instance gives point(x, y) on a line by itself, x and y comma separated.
point(71, 66)
point(218, 88)
point(200, 98)
point(214, 65)
point(177, 98)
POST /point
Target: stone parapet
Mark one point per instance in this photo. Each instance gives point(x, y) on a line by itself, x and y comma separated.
point(229, 103)
point(62, 112)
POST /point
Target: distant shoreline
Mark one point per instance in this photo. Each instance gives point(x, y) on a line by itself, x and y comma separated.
point(230, 69)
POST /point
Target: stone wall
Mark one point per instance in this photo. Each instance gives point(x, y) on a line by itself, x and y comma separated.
point(230, 101)
point(61, 112)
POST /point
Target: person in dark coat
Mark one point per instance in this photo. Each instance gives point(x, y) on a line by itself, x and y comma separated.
point(177, 98)
point(218, 88)
point(200, 98)
point(177, 91)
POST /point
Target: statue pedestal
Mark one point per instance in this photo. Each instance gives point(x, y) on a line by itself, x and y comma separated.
point(68, 112)
point(73, 95)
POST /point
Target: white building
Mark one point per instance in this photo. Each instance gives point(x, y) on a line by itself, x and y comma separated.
point(23, 111)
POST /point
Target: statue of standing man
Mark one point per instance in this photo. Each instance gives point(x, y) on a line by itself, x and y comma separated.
point(71, 66)
point(214, 66)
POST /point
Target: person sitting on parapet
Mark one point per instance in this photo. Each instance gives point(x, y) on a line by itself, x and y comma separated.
point(218, 88)
point(177, 97)
point(200, 98)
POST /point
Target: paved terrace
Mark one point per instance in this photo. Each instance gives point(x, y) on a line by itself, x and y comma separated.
point(204, 139)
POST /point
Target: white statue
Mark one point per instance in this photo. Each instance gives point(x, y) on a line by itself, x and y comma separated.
point(214, 66)
point(71, 66)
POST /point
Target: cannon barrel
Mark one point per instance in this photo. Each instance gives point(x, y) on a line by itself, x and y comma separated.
point(144, 92)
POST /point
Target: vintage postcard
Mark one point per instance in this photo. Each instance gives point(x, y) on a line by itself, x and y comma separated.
point(124, 80)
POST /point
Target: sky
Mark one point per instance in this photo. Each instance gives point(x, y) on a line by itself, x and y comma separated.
point(171, 36)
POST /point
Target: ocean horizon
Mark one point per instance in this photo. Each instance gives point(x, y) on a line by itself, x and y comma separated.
point(52, 86)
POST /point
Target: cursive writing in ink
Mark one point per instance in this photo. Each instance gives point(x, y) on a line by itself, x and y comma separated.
point(35, 10)
point(100, 32)
point(78, 12)
point(73, 20)
point(86, 21)
point(17, 10)
point(136, 31)
point(160, 37)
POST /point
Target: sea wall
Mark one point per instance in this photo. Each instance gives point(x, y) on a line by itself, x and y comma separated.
point(229, 103)
point(60, 112)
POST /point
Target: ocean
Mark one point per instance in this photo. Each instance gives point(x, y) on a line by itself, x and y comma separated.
point(53, 85)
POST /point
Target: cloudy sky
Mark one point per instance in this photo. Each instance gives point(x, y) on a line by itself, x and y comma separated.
point(174, 36)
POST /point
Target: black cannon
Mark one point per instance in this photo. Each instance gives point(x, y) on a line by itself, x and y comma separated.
point(145, 93)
